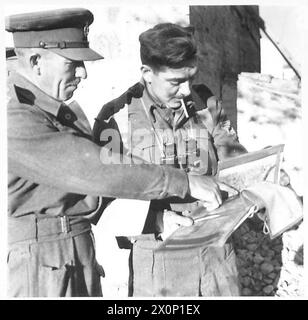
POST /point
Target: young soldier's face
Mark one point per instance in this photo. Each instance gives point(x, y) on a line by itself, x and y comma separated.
point(169, 86)
point(60, 76)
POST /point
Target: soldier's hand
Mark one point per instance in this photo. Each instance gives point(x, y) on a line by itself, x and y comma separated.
point(206, 189)
point(172, 221)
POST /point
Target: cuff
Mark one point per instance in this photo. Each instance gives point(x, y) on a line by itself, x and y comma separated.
point(176, 183)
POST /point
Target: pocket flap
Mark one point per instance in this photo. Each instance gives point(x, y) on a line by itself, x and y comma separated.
point(55, 254)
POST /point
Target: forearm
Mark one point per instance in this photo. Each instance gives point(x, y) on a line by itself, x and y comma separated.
point(73, 163)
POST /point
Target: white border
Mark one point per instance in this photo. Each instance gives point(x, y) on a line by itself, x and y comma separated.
point(29, 5)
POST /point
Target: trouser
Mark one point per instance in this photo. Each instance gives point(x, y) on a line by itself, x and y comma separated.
point(205, 271)
point(60, 266)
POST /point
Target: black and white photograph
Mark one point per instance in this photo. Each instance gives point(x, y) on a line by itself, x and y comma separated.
point(153, 150)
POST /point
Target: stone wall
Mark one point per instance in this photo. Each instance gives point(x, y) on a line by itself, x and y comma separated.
point(229, 43)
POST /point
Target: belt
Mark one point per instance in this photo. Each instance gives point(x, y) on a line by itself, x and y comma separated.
point(30, 227)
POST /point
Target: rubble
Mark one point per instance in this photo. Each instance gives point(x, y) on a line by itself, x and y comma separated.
point(269, 267)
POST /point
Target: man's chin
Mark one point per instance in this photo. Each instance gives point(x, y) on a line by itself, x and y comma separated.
point(70, 93)
point(67, 96)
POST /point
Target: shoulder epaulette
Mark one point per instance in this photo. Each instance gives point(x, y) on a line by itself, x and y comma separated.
point(112, 107)
point(203, 93)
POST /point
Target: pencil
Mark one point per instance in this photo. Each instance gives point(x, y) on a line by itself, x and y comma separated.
point(208, 217)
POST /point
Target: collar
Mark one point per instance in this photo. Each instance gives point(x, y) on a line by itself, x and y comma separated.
point(154, 108)
point(33, 95)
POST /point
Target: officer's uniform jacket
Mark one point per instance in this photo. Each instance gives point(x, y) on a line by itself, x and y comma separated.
point(193, 140)
point(55, 169)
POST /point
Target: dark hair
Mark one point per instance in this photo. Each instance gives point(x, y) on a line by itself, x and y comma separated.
point(167, 44)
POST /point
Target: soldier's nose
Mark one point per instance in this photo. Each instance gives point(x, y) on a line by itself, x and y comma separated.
point(185, 89)
point(81, 72)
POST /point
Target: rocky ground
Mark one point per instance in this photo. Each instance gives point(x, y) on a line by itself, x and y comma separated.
point(269, 267)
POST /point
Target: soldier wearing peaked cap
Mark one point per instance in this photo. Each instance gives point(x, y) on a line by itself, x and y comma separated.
point(62, 31)
point(58, 184)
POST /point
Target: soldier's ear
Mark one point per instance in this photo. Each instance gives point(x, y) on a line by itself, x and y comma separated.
point(147, 73)
point(35, 63)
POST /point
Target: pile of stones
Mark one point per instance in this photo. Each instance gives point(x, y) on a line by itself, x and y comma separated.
point(269, 267)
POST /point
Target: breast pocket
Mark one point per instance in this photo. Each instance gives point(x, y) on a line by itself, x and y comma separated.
point(146, 149)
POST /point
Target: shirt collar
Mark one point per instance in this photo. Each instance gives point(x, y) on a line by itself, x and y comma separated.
point(152, 106)
point(34, 95)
